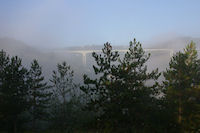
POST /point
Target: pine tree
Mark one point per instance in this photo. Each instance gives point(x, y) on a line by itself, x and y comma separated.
point(4, 61)
point(64, 90)
point(182, 80)
point(39, 94)
point(13, 91)
point(119, 94)
point(140, 88)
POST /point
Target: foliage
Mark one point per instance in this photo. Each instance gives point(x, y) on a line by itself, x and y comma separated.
point(62, 81)
point(39, 94)
point(64, 88)
point(121, 95)
point(182, 88)
point(13, 90)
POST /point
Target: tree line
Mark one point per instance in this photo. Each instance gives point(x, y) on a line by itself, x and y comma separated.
point(124, 96)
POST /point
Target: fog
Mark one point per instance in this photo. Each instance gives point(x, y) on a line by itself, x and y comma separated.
point(54, 31)
point(51, 24)
point(49, 58)
point(46, 30)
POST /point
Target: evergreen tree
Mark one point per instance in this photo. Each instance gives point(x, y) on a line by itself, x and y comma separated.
point(182, 80)
point(64, 90)
point(4, 61)
point(97, 92)
point(120, 94)
point(13, 91)
point(39, 94)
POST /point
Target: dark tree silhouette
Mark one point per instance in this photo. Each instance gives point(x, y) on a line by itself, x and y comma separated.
point(120, 95)
point(39, 94)
point(13, 90)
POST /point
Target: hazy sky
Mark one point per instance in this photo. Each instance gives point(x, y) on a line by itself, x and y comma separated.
point(62, 23)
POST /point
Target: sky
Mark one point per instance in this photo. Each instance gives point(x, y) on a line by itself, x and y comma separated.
point(63, 23)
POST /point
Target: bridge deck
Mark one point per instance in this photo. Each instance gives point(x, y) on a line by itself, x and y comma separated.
point(85, 52)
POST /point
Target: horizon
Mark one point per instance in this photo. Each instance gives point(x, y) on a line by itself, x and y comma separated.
point(59, 23)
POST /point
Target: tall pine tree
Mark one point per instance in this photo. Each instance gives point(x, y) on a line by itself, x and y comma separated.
point(120, 94)
point(39, 94)
point(13, 91)
point(4, 62)
point(182, 80)
point(64, 87)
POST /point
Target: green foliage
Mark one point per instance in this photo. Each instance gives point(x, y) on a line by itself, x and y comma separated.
point(39, 94)
point(4, 60)
point(62, 81)
point(120, 95)
point(182, 88)
point(13, 90)
point(64, 88)
point(124, 96)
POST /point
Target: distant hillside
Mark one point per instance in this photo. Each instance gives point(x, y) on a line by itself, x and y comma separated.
point(14, 47)
point(175, 43)
point(170, 43)
point(49, 60)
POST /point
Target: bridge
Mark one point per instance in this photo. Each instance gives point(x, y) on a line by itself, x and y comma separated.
point(85, 52)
